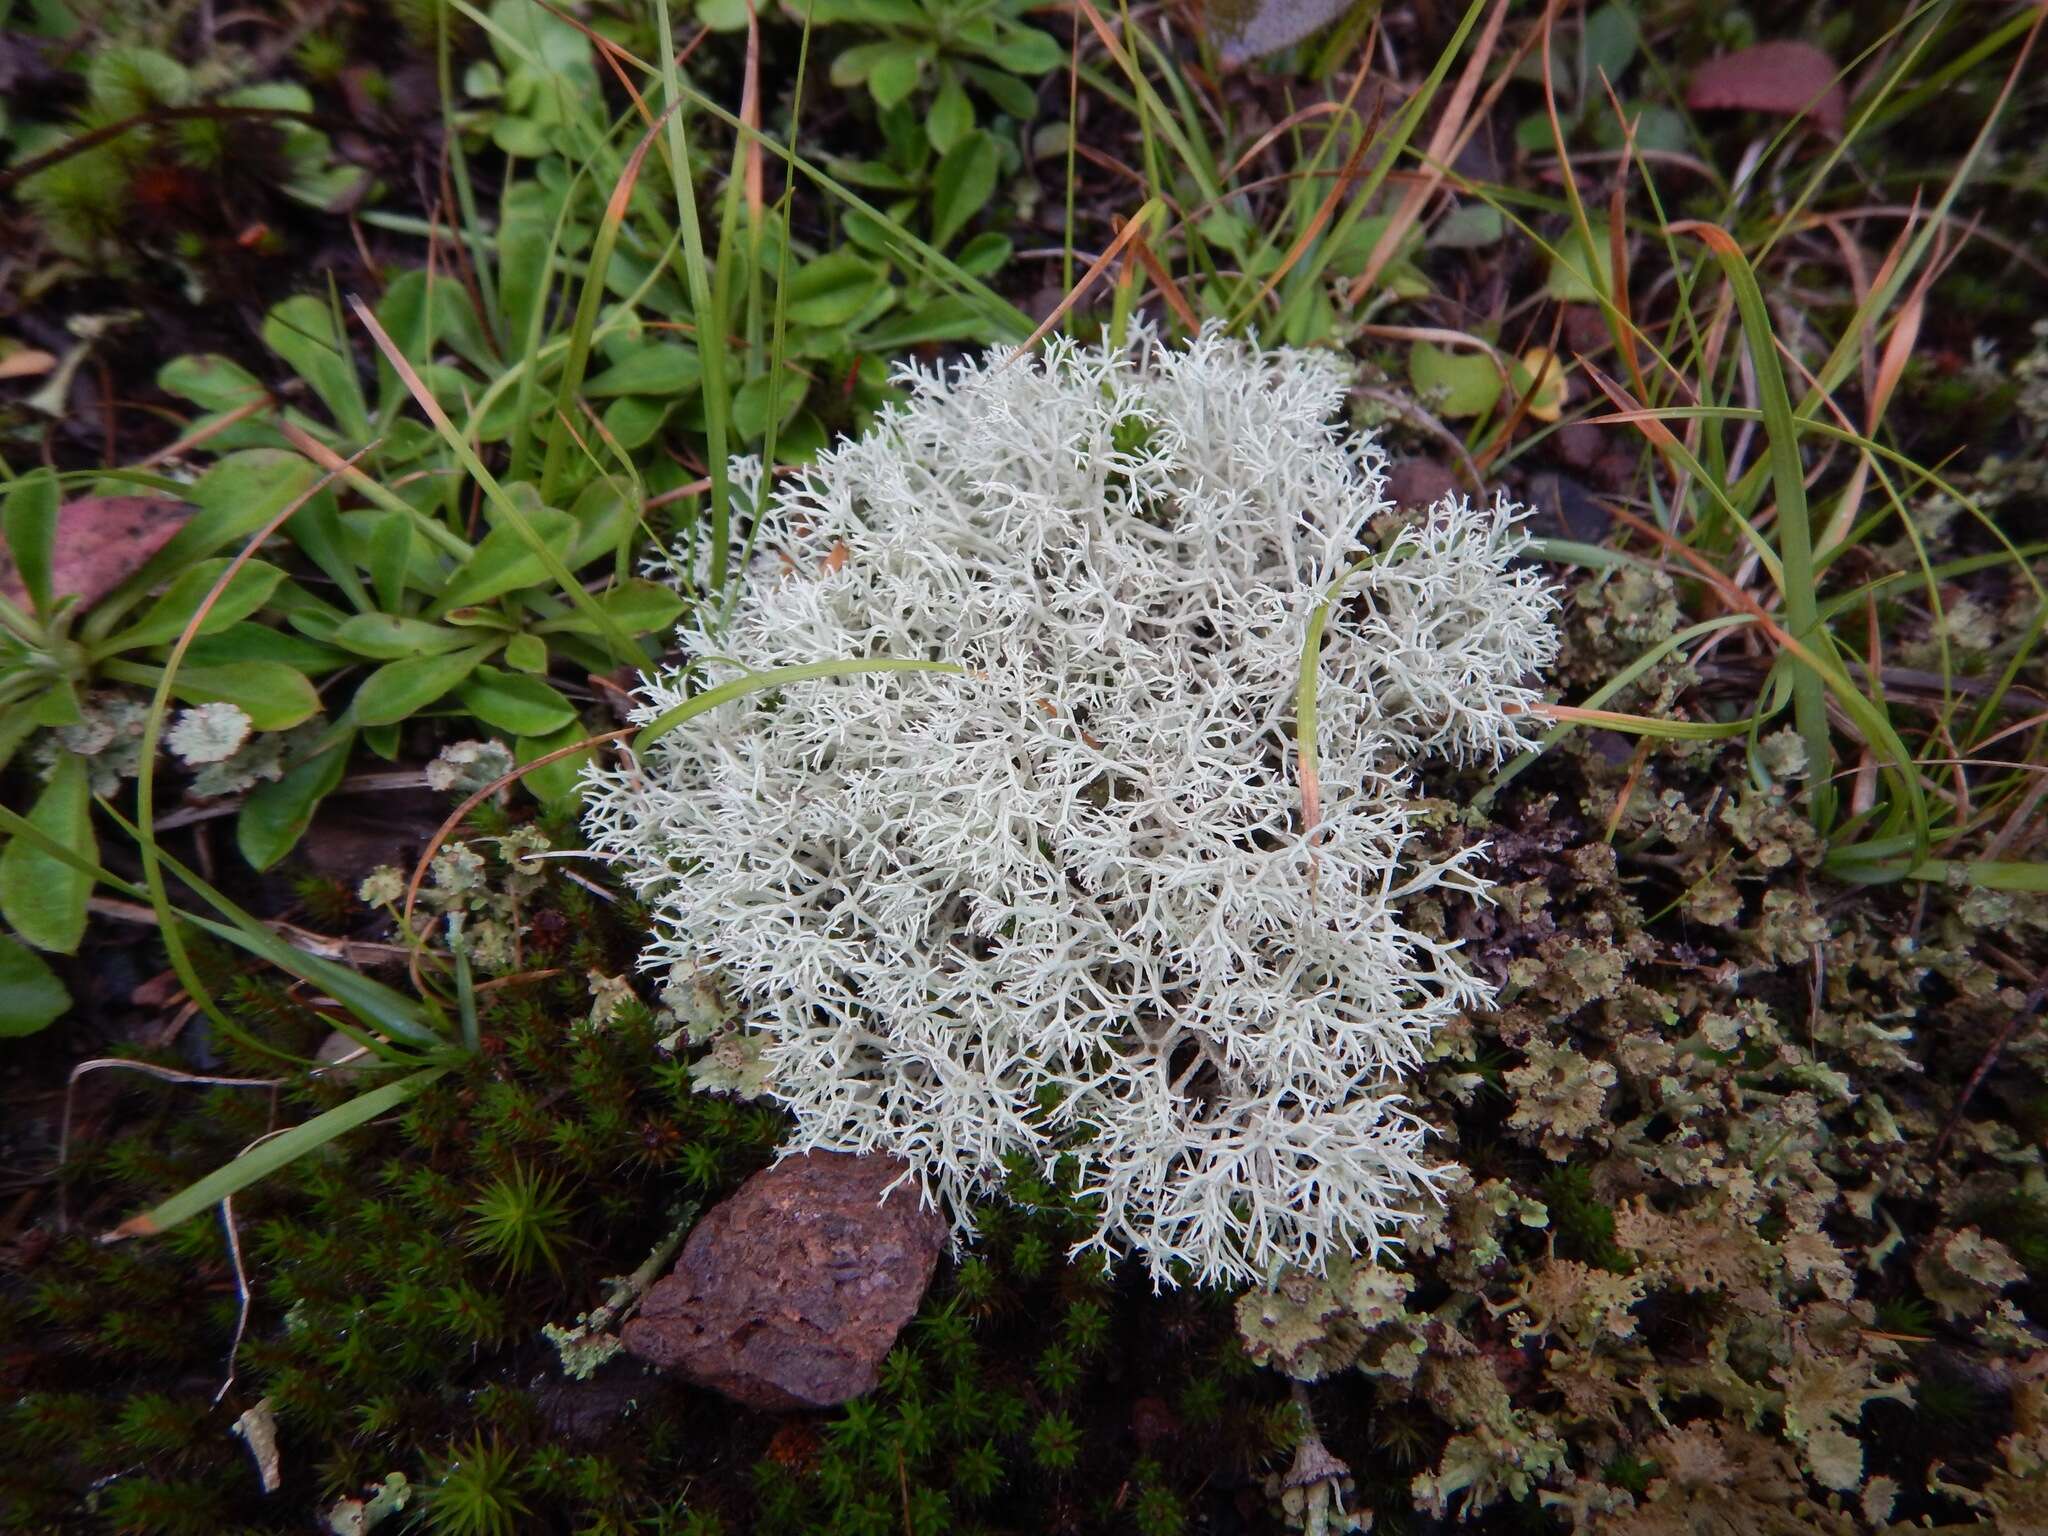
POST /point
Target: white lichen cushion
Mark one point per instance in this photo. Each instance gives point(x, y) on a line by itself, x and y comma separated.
point(1068, 901)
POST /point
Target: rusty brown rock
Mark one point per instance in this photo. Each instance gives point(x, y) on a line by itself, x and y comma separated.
point(788, 1295)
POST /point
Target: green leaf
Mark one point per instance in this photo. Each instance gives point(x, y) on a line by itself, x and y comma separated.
point(505, 562)
point(1026, 51)
point(1006, 91)
point(399, 689)
point(42, 898)
point(1469, 228)
point(302, 331)
point(527, 653)
point(31, 996)
point(1610, 41)
point(318, 531)
point(251, 641)
point(267, 1157)
point(237, 496)
point(210, 381)
point(56, 705)
point(639, 606)
point(952, 115)
point(965, 181)
point(557, 786)
point(425, 316)
point(514, 703)
point(29, 519)
point(632, 420)
point(750, 405)
point(165, 619)
point(606, 523)
point(274, 696)
point(388, 637)
point(276, 815)
point(950, 317)
point(664, 368)
point(1468, 381)
point(1575, 271)
point(985, 254)
point(390, 554)
point(832, 289)
point(853, 65)
point(724, 15)
point(892, 72)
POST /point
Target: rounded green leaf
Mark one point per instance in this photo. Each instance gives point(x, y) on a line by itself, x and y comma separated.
point(402, 688)
point(527, 653)
point(389, 637)
point(1026, 51)
point(853, 65)
point(751, 404)
point(662, 368)
point(985, 254)
point(31, 996)
point(1455, 383)
point(832, 289)
point(638, 606)
point(513, 702)
point(274, 696)
point(634, 419)
point(275, 816)
point(952, 115)
point(504, 561)
point(252, 641)
point(44, 898)
point(1576, 270)
point(210, 381)
point(560, 783)
point(30, 523)
point(965, 181)
point(247, 590)
point(893, 75)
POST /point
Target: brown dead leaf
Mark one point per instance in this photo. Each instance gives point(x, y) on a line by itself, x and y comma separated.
point(101, 540)
point(27, 363)
point(1782, 78)
point(258, 1426)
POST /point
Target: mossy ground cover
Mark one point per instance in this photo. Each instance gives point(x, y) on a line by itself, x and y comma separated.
point(1752, 1228)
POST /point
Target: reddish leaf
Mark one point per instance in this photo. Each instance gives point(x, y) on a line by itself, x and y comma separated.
point(100, 541)
point(1251, 29)
point(1782, 78)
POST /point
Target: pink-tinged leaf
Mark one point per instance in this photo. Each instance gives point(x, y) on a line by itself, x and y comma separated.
point(1250, 29)
point(101, 540)
point(1782, 78)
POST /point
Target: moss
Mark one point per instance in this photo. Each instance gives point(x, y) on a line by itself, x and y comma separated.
point(401, 1279)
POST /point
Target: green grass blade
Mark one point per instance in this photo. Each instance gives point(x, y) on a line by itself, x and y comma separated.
point(760, 682)
point(1796, 575)
point(710, 324)
point(267, 1157)
point(621, 643)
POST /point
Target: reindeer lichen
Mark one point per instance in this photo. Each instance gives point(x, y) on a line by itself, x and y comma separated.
point(1083, 898)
